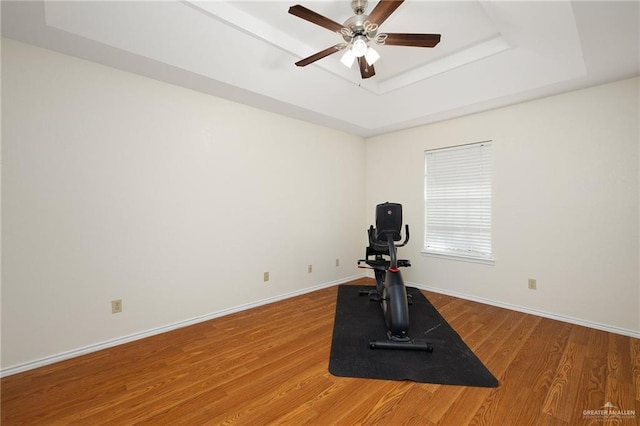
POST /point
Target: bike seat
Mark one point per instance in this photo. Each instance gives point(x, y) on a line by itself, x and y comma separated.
point(377, 263)
point(384, 264)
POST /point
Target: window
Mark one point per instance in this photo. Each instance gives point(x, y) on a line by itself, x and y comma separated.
point(458, 202)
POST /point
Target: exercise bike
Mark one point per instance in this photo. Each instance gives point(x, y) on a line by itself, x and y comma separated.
point(390, 291)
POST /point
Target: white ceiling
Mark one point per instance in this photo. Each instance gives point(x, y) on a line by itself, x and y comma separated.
point(492, 53)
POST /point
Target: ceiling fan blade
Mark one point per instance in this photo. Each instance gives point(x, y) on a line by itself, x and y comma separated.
point(326, 52)
point(315, 18)
point(383, 10)
point(414, 40)
point(366, 70)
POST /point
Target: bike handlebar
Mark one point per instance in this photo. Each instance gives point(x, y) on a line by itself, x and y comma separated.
point(406, 237)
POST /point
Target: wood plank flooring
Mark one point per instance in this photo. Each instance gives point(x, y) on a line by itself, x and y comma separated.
point(268, 365)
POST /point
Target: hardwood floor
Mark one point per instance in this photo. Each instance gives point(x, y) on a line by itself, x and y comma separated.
point(268, 365)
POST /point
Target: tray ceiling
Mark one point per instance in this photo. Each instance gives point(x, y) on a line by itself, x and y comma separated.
point(492, 53)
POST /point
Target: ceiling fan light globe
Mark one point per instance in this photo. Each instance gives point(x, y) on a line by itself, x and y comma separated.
point(359, 47)
point(348, 58)
point(371, 56)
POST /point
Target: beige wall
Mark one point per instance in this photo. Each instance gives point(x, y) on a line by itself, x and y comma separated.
point(116, 186)
point(565, 204)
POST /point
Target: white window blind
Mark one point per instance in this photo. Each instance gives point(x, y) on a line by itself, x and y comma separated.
point(458, 201)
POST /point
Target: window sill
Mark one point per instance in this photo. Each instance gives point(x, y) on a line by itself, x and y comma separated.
point(460, 258)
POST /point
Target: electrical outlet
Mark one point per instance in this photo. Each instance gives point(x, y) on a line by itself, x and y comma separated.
point(266, 276)
point(533, 285)
point(116, 306)
point(310, 268)
point(337, 262)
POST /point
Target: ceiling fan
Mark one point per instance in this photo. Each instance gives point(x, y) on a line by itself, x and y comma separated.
point(358, 31)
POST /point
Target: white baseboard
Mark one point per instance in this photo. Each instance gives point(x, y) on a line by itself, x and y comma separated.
point(19, 368)
point(563, 318)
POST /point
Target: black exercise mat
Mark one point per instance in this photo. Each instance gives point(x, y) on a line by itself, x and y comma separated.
point(359, 320)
